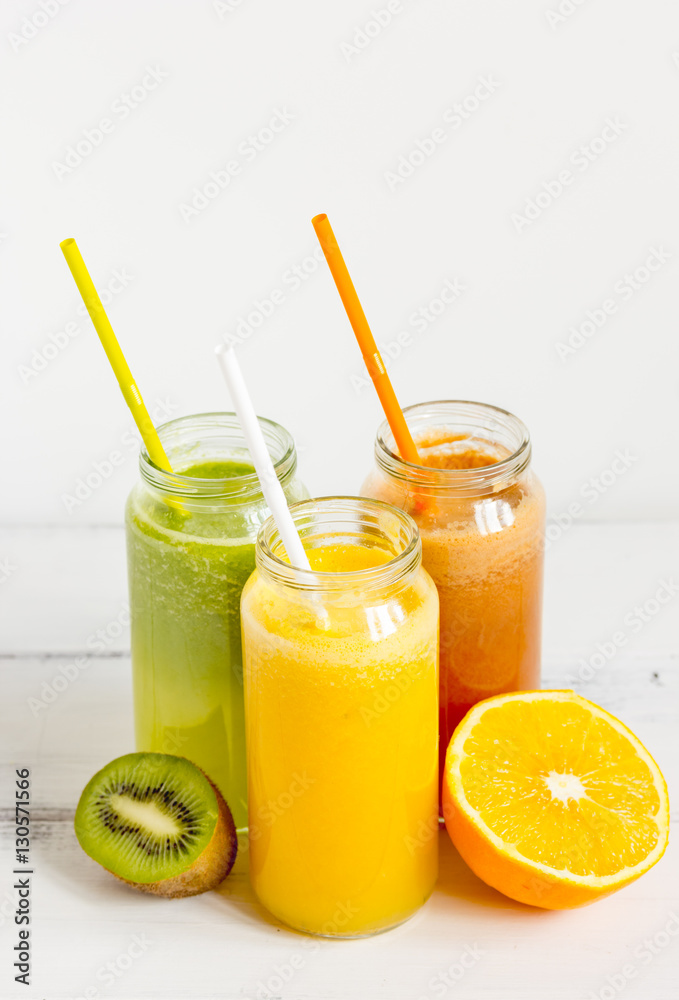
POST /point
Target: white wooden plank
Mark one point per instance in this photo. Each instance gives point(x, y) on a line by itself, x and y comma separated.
point(235, 945)
point(75, 731)
point(223, 944)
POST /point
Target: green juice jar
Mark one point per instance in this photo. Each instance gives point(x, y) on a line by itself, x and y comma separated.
point(190, 549)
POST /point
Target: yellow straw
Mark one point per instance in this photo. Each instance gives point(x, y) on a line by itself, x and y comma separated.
point(128, 386)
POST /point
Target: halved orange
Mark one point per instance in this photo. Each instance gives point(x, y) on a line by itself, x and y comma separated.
point(552, 800)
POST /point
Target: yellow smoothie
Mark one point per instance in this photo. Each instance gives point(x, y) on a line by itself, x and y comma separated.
point(341, 727)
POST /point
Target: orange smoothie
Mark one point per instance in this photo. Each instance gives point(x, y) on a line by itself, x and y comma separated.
point(341, 721)
point(484, 550)
point(490, 589)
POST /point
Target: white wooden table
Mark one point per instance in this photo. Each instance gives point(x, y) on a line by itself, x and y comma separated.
point(92, 937)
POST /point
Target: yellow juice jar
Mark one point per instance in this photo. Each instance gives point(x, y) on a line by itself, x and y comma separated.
point(341, 708)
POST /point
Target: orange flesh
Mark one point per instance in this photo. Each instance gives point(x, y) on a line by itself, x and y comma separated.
point(562, 787)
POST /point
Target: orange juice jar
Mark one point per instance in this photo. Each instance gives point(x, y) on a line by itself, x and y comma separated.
point(481, 512)
point(341, 712)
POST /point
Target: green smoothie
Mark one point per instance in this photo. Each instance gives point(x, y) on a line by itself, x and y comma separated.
point(217, 470)
point(187, 568)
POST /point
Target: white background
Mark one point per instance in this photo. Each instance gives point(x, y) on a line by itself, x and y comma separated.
point(355, 113)
point(608, 633)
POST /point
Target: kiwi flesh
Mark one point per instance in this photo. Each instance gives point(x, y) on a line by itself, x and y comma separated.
point(158, 823)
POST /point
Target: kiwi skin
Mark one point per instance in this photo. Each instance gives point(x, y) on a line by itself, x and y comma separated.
point(209, 869)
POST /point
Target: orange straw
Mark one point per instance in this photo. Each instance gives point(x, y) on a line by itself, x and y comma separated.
point(366, 341)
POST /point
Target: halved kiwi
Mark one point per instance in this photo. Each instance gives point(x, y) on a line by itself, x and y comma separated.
point(158, 823)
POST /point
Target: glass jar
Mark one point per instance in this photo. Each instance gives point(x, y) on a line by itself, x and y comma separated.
point(191, 547)
point(341, 717)
point(481, 514)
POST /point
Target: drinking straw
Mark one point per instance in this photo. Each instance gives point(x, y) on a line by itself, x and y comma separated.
point(366, 341)
point(271, 487)
point(116, 357)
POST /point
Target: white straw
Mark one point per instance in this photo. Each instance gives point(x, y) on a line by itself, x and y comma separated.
point(271, 487)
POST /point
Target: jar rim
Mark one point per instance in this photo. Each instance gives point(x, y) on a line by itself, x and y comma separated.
point(238, 489)
point(346, 510)
point(465, 482)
